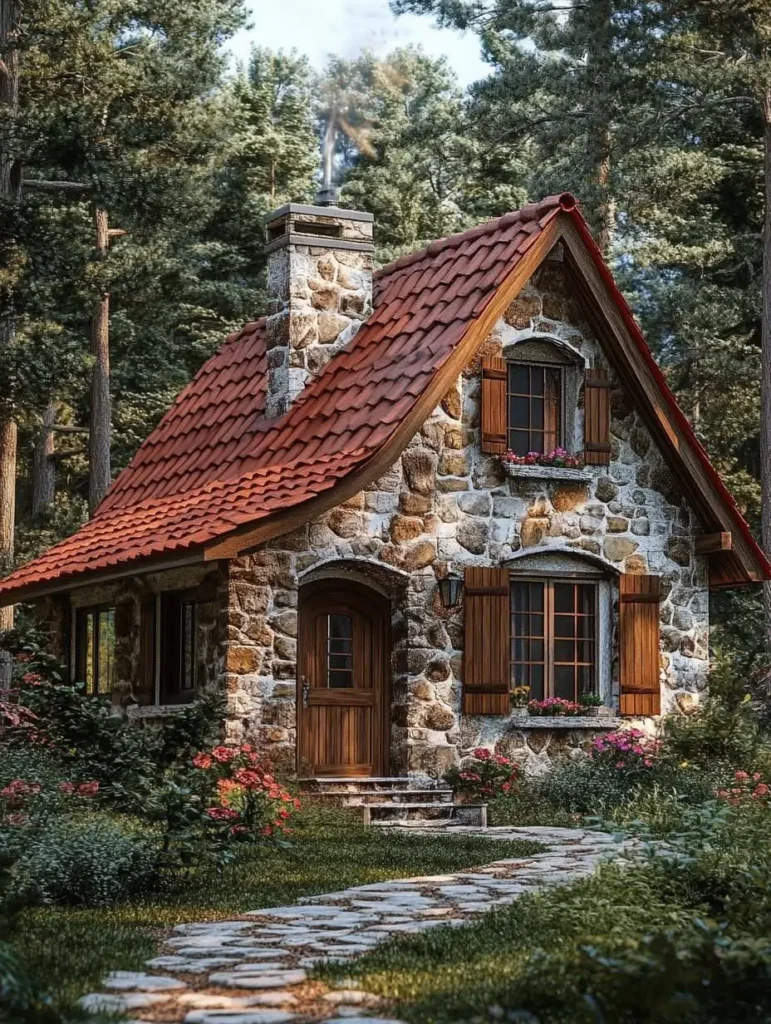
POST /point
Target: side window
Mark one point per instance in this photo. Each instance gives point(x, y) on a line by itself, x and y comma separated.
point(535, 413)
point(179, 627)
point(95, 649)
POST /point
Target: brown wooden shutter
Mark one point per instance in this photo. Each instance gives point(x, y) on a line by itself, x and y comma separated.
point(145, 688)
point(596, 418)
point(494, 440)
point(486, 654)
point(639, 662)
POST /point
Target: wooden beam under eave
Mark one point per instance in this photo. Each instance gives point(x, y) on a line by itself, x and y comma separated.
point(710, 543)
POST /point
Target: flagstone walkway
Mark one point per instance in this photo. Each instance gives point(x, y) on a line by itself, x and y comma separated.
point(254, 969)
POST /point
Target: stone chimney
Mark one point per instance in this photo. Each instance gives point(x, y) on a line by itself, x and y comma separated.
point(320, 290)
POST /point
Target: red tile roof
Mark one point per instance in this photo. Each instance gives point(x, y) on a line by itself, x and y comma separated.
point(214, 464)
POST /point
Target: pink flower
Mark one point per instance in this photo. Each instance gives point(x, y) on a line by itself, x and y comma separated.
point(202, 760)
point(761, 790)
point(32, 678)
point(224, 754)
point(88, 788)
point(247, 777)
point(482, 754)
point(741, 776)
point(67, 787)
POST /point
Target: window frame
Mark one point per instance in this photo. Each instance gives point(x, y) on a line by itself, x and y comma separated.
point(529, 364)
point(82, 615)
point(548, 580)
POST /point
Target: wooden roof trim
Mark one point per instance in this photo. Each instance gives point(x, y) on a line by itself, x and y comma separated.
point(680, 448)
point(244, 540)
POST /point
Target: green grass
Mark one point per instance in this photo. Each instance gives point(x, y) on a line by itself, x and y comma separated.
point(69, 950)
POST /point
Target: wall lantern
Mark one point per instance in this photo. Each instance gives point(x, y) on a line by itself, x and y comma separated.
point(450, 590)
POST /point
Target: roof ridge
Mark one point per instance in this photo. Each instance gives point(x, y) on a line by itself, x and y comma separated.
point(531, 211)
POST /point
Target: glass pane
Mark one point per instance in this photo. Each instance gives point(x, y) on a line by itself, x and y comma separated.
point(563, 597)
point(564, 625)
point(536, 625)
point(519, 380)
point(586, 598)
point(586, 652)
point(519, 413)
point(536, 413)
point(341, 626)
point(340, 661)
point(536, 380)
point(585, 679)
point(586, 626)
point(564, 650)
point(536, 597)
point(536, 682)
point(520, 675)
point(518, 650)
point(519, 442)
point(564, 682)
point(340, 646)
point(520, 624)
point(338, 679)
point(536, 650)
point(106, 667)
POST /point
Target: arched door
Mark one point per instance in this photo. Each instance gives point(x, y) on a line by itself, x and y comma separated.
point(343, 665)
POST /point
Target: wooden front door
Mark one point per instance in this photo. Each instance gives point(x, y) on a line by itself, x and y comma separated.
point(343, 664)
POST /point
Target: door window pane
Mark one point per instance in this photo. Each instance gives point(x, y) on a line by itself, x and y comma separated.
point(339, 651)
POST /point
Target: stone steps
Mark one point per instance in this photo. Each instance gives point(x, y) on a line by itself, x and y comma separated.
point(393, 800)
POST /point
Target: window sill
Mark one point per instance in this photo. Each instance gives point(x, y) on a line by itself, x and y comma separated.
point(545, 472)
point(560, 722)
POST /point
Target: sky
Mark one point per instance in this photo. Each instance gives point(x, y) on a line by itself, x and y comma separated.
point(346, 27)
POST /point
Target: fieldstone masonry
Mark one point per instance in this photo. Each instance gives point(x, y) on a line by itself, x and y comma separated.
point(443, 506)
point(446, 505)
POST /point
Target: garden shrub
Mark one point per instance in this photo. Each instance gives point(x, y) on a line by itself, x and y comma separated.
point(93, 860)
point(483, 775)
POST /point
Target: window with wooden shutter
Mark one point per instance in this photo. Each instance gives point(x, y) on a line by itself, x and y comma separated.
point(639, 658)
point(596, 418)
point(494, 406)
point(486, 655)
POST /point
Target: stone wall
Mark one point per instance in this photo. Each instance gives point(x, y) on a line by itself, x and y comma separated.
point(446, 505)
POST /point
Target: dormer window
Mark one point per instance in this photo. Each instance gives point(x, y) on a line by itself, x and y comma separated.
point(535, 416)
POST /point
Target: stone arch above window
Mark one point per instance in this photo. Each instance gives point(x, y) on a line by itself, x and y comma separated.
point(544, 377)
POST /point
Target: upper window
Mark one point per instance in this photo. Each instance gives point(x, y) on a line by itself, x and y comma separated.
point(95, 649)
point(554, 637)
point(535, 420)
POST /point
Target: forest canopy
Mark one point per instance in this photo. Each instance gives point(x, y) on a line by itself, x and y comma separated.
point(650, 114)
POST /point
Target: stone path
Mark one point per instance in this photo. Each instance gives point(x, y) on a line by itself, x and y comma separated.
point(254, 969)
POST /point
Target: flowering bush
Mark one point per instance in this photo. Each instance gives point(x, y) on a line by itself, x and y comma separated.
point(629, 750)
point(520, 696)
point(227, 797)
point(484, 775)
point(554, 706)
point(557, 457)
point(23, 802)
point(748, 788)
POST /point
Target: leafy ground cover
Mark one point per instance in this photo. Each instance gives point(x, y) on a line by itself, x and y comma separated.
point(69, 949)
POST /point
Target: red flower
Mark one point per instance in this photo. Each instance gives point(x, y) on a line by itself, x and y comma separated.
point(267, 831)
point(221, 813)
point(32, 678)
point(202, 760)
point(224, 754)
point(482, 754)
point(88, 788)
point(67, 787)
point(247, 777)
point(238, 830)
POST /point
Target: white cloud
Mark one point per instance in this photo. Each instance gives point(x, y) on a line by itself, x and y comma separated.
point(346, 27)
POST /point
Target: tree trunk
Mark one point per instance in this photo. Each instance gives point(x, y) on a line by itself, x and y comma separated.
point(600, 58)
point(10, 179)
point(43, 466)
point(765, 382)
point(101, 412)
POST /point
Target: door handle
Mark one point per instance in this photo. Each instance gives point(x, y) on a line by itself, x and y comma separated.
point(306, 691)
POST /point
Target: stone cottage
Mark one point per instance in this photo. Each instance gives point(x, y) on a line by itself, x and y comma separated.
point(339, 523)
